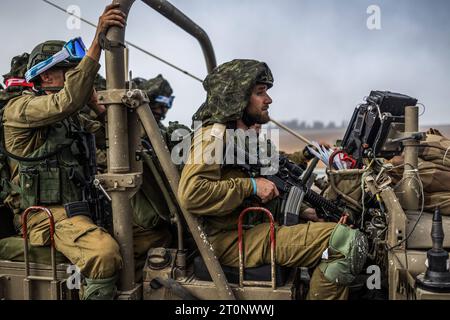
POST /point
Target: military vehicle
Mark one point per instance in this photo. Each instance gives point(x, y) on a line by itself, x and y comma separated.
point(402, 236)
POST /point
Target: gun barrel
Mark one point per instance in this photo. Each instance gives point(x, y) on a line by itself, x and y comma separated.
point(316, 200)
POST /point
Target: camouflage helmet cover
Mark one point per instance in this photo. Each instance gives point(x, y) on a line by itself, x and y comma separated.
point(18, 66)
point(99, 82)
point(45, 50)
point(229, 87)
point(157, 86)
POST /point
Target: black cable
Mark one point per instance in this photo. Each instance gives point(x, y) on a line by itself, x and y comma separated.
point(127, 42)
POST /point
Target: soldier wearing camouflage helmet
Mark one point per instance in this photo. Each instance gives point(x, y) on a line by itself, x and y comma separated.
point(46, 161)
point(15, 79)
point(150, 212)
point(237, 98)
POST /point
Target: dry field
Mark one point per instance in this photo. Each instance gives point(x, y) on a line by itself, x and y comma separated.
point(289, 143)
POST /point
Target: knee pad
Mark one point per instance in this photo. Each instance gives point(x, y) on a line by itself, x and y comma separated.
point(353, 246)
point(100, 289)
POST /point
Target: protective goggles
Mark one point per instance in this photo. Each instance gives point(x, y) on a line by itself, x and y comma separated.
point(165, 100)
point(73, 51)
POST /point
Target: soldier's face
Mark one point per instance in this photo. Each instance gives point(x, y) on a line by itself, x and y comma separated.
point(258, 107)
point(159, 111)
point(54, 77)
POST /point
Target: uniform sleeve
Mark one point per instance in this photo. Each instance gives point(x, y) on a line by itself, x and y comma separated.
point(39, 111)
point(204, 191)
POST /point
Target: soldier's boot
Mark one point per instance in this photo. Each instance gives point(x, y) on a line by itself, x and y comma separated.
point(99, 289)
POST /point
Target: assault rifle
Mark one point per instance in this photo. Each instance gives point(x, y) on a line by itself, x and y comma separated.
point(99, 205)
point(294, 184)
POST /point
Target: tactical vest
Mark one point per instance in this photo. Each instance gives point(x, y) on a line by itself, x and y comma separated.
point(5, 186)
point(58, 176)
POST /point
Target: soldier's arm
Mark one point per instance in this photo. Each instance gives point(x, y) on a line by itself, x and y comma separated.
point(38, 111)
point(41, 111)
point(204, 191)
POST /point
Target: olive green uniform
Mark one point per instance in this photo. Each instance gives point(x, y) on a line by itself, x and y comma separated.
point(26, 121)
point(150, 211)
point(218, 193)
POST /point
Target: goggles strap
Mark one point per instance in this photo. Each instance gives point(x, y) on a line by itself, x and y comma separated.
point(166, 100)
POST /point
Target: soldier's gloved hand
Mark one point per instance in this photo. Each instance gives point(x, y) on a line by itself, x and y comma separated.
point(266, 190)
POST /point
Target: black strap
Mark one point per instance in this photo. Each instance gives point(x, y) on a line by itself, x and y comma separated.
point(26, 159)
point(77, 208)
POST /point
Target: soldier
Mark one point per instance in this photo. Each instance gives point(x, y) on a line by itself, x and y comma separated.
point(237, 98)
point(151, 214)
point(15, 79)
point(45, 160)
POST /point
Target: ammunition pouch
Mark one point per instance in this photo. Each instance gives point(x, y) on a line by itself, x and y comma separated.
point(49, 183)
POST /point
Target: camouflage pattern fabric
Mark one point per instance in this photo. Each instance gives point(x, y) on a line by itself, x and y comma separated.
point(171, 128)
point(228, 88)
point(18, 69)
point(6, 95)
point(99, 83)
point(157, 86)
point(18, 66)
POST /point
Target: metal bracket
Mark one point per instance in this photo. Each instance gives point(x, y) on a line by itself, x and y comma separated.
point(112, 96)
point(116, 182)
point(135, 98)
point(131, 98)
point(376, 186)
point(107, 44)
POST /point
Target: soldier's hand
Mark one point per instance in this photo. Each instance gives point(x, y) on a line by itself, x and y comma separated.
point(344, 218)
point(112, 16)
point(266, 190)
point(94, 105)
point(310, 214)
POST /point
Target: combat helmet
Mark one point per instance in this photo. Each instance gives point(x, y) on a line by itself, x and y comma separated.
point(45, 50)
point(18, 66)
point(154, 87)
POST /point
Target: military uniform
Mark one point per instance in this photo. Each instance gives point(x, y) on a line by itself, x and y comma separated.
point(18, 69)
point(150, 211)
point(35, 126)
point(217, 194)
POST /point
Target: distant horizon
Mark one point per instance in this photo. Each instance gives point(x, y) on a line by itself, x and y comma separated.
point(325, 56)
point(309, 127)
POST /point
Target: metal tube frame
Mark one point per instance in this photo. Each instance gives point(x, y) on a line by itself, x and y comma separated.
point(28, 278)
point(176, 16)
point(273, 281)
point(409, 199)
point(171, 172)
point(120, 155)
point(118, 152)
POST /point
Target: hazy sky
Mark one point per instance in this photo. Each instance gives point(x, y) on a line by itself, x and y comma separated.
point(323, 57)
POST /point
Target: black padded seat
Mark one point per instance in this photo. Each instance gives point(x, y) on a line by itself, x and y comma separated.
point(261, 273)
